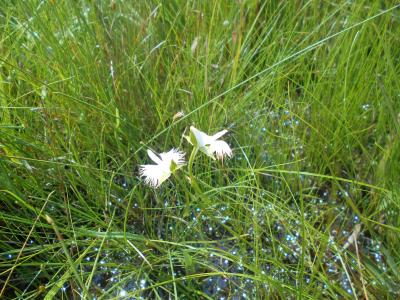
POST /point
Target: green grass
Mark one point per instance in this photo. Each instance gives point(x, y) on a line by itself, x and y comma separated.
point(309, 91)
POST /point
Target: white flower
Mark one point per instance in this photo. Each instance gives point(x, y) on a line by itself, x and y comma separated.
point(166, 164)
point(210, 145)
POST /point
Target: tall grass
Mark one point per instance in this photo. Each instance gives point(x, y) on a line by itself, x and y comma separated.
point(308, 207)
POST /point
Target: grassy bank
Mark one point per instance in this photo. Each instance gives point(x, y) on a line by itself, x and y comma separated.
point(307, 207)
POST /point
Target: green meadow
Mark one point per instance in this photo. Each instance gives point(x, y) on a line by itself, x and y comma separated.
point(308, 205)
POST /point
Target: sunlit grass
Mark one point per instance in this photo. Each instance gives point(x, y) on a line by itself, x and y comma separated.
point(309, 93)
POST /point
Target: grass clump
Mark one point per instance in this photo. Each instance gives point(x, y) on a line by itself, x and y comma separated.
point(308, 205)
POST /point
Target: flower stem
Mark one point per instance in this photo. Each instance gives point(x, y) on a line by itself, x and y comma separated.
point(193, 181)
point(191, 159)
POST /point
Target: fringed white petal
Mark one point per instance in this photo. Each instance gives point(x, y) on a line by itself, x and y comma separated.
point(154, 175)
point(174, 155)
point(220, 148)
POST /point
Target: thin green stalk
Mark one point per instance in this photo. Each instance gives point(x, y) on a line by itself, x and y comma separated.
point(193, 181)
point(71, 262)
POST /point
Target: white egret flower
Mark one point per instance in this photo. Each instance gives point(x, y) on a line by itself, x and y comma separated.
point(210, 145)
point(166, 164)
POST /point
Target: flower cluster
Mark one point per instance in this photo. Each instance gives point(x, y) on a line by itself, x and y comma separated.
point(167, 163)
